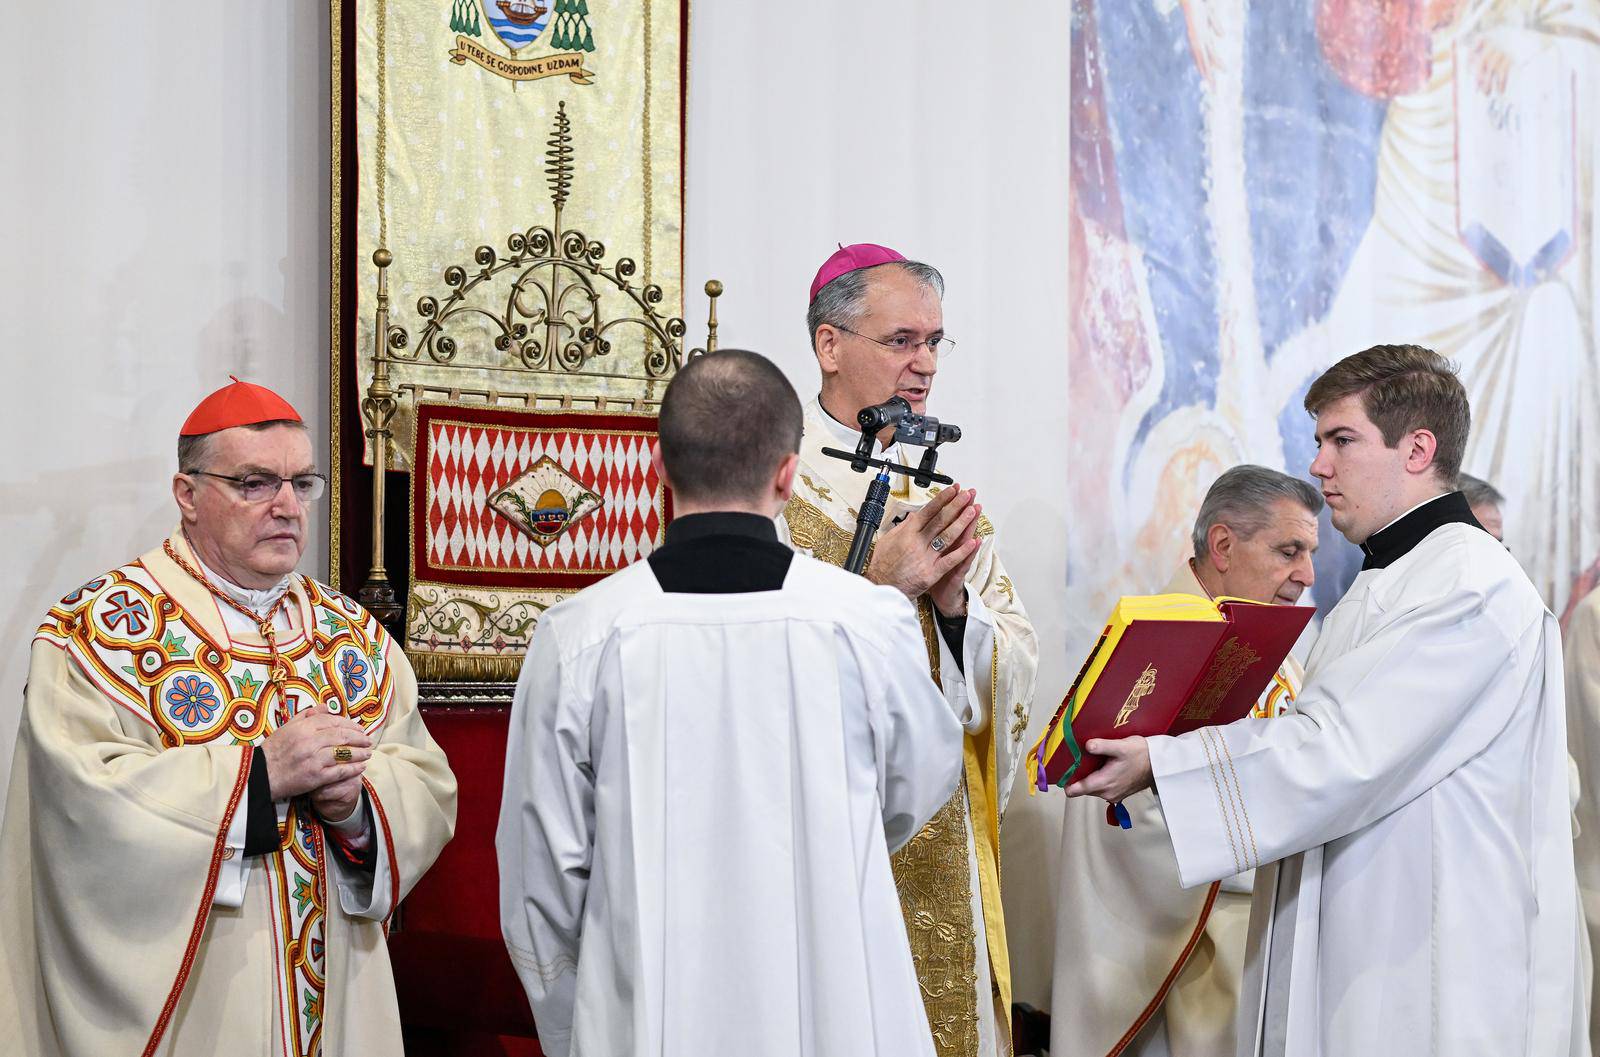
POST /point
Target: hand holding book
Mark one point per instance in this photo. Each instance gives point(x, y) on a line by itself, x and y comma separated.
point(1124, 771)
point(1165, 664)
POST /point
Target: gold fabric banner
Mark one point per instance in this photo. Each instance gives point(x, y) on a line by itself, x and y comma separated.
point(456, 102)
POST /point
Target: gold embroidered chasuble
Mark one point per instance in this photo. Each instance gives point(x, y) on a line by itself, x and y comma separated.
point(133, 762)
point(949, 875)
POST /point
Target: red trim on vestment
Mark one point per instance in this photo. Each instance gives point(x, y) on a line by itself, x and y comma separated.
point(1166, 985)
point(239, 785)
point(388, 844)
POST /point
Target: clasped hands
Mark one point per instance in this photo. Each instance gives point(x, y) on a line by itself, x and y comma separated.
point(905, 555)
point(301, 759)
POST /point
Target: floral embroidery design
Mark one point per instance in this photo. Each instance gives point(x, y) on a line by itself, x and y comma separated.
point(353, 671)
point(192, 701)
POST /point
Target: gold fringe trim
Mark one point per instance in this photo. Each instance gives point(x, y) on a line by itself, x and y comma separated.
point(454, 667)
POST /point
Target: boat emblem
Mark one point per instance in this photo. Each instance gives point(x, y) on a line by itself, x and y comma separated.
point(545, 501)
point(562, 25)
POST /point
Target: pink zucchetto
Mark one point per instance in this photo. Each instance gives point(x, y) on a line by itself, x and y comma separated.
point(850, 259)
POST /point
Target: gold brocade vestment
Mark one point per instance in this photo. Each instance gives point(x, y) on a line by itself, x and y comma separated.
point(949, 875)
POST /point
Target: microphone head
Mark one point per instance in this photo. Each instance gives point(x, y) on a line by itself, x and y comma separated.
point(878, 416)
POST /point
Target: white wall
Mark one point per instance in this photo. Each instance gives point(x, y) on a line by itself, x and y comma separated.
point(166, 221)
point(939, 129)
point(164, 204)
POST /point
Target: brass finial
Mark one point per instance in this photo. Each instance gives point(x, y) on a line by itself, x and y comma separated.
point(713, 291)
point(558, 159)
point(382, 257)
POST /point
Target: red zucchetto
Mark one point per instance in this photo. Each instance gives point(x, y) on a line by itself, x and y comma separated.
point(238, 404)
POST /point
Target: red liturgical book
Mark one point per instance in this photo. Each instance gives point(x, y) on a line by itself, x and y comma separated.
point(1166, 664)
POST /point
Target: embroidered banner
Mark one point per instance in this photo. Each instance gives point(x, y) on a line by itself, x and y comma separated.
point(454, 102)
point(513, 510)
point(467, 50)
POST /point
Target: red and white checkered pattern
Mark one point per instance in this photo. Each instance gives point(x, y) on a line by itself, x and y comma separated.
point(468, 463)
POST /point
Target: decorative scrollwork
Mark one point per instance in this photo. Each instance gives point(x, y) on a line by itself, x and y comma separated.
point(552, 317)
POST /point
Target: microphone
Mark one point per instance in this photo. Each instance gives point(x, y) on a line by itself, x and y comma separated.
point(878, 416)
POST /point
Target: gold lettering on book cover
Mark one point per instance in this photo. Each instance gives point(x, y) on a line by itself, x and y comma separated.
point(1227, 668)
point(1142, 689)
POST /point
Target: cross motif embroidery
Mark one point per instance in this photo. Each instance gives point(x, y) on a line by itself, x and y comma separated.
point(1021, 723)
point(821, 490)
point(129, 611)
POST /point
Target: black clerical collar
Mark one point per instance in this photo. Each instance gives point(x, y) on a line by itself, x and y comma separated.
point(721, 523)
point(1388, 545)
point(721, 553)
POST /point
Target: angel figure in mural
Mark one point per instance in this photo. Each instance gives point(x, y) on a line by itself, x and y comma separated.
point(1391, 167)
point(1481, 246)
point(1215, 207)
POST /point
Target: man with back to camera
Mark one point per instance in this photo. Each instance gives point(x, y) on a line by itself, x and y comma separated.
point(1417, 796)
point(712, 755)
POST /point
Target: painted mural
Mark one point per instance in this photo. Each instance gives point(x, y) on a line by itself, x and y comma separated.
point(1262, 189)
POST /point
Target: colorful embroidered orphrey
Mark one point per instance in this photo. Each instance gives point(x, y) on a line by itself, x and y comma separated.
point(133, 761)
point(949, 875)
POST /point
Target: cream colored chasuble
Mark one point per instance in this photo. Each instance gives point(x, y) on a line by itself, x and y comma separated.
point(1145, 966)
point(132, 922)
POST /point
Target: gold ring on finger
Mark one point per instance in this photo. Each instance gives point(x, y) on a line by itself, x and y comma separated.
point(342, 753)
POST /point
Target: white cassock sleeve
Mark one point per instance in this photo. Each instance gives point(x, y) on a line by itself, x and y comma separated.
point(1583, 737)
point(235, 869)
point(919, 735)
point(362, 892)
point(545, 838)
point(1374, 729)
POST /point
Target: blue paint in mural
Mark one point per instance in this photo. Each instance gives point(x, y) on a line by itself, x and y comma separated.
point(1310, 165)
point(1311, 146)
point(1153, 101)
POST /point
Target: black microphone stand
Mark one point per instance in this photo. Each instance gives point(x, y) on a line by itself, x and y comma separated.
point(867, 522)
point(872, 507)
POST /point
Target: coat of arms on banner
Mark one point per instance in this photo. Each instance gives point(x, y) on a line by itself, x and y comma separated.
point(512, 510)
point(561, 25)
point(512, 497)
point(545, 501)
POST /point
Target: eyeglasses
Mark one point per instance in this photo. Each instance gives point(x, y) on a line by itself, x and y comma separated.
point(939, 345)
point(260, 487)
